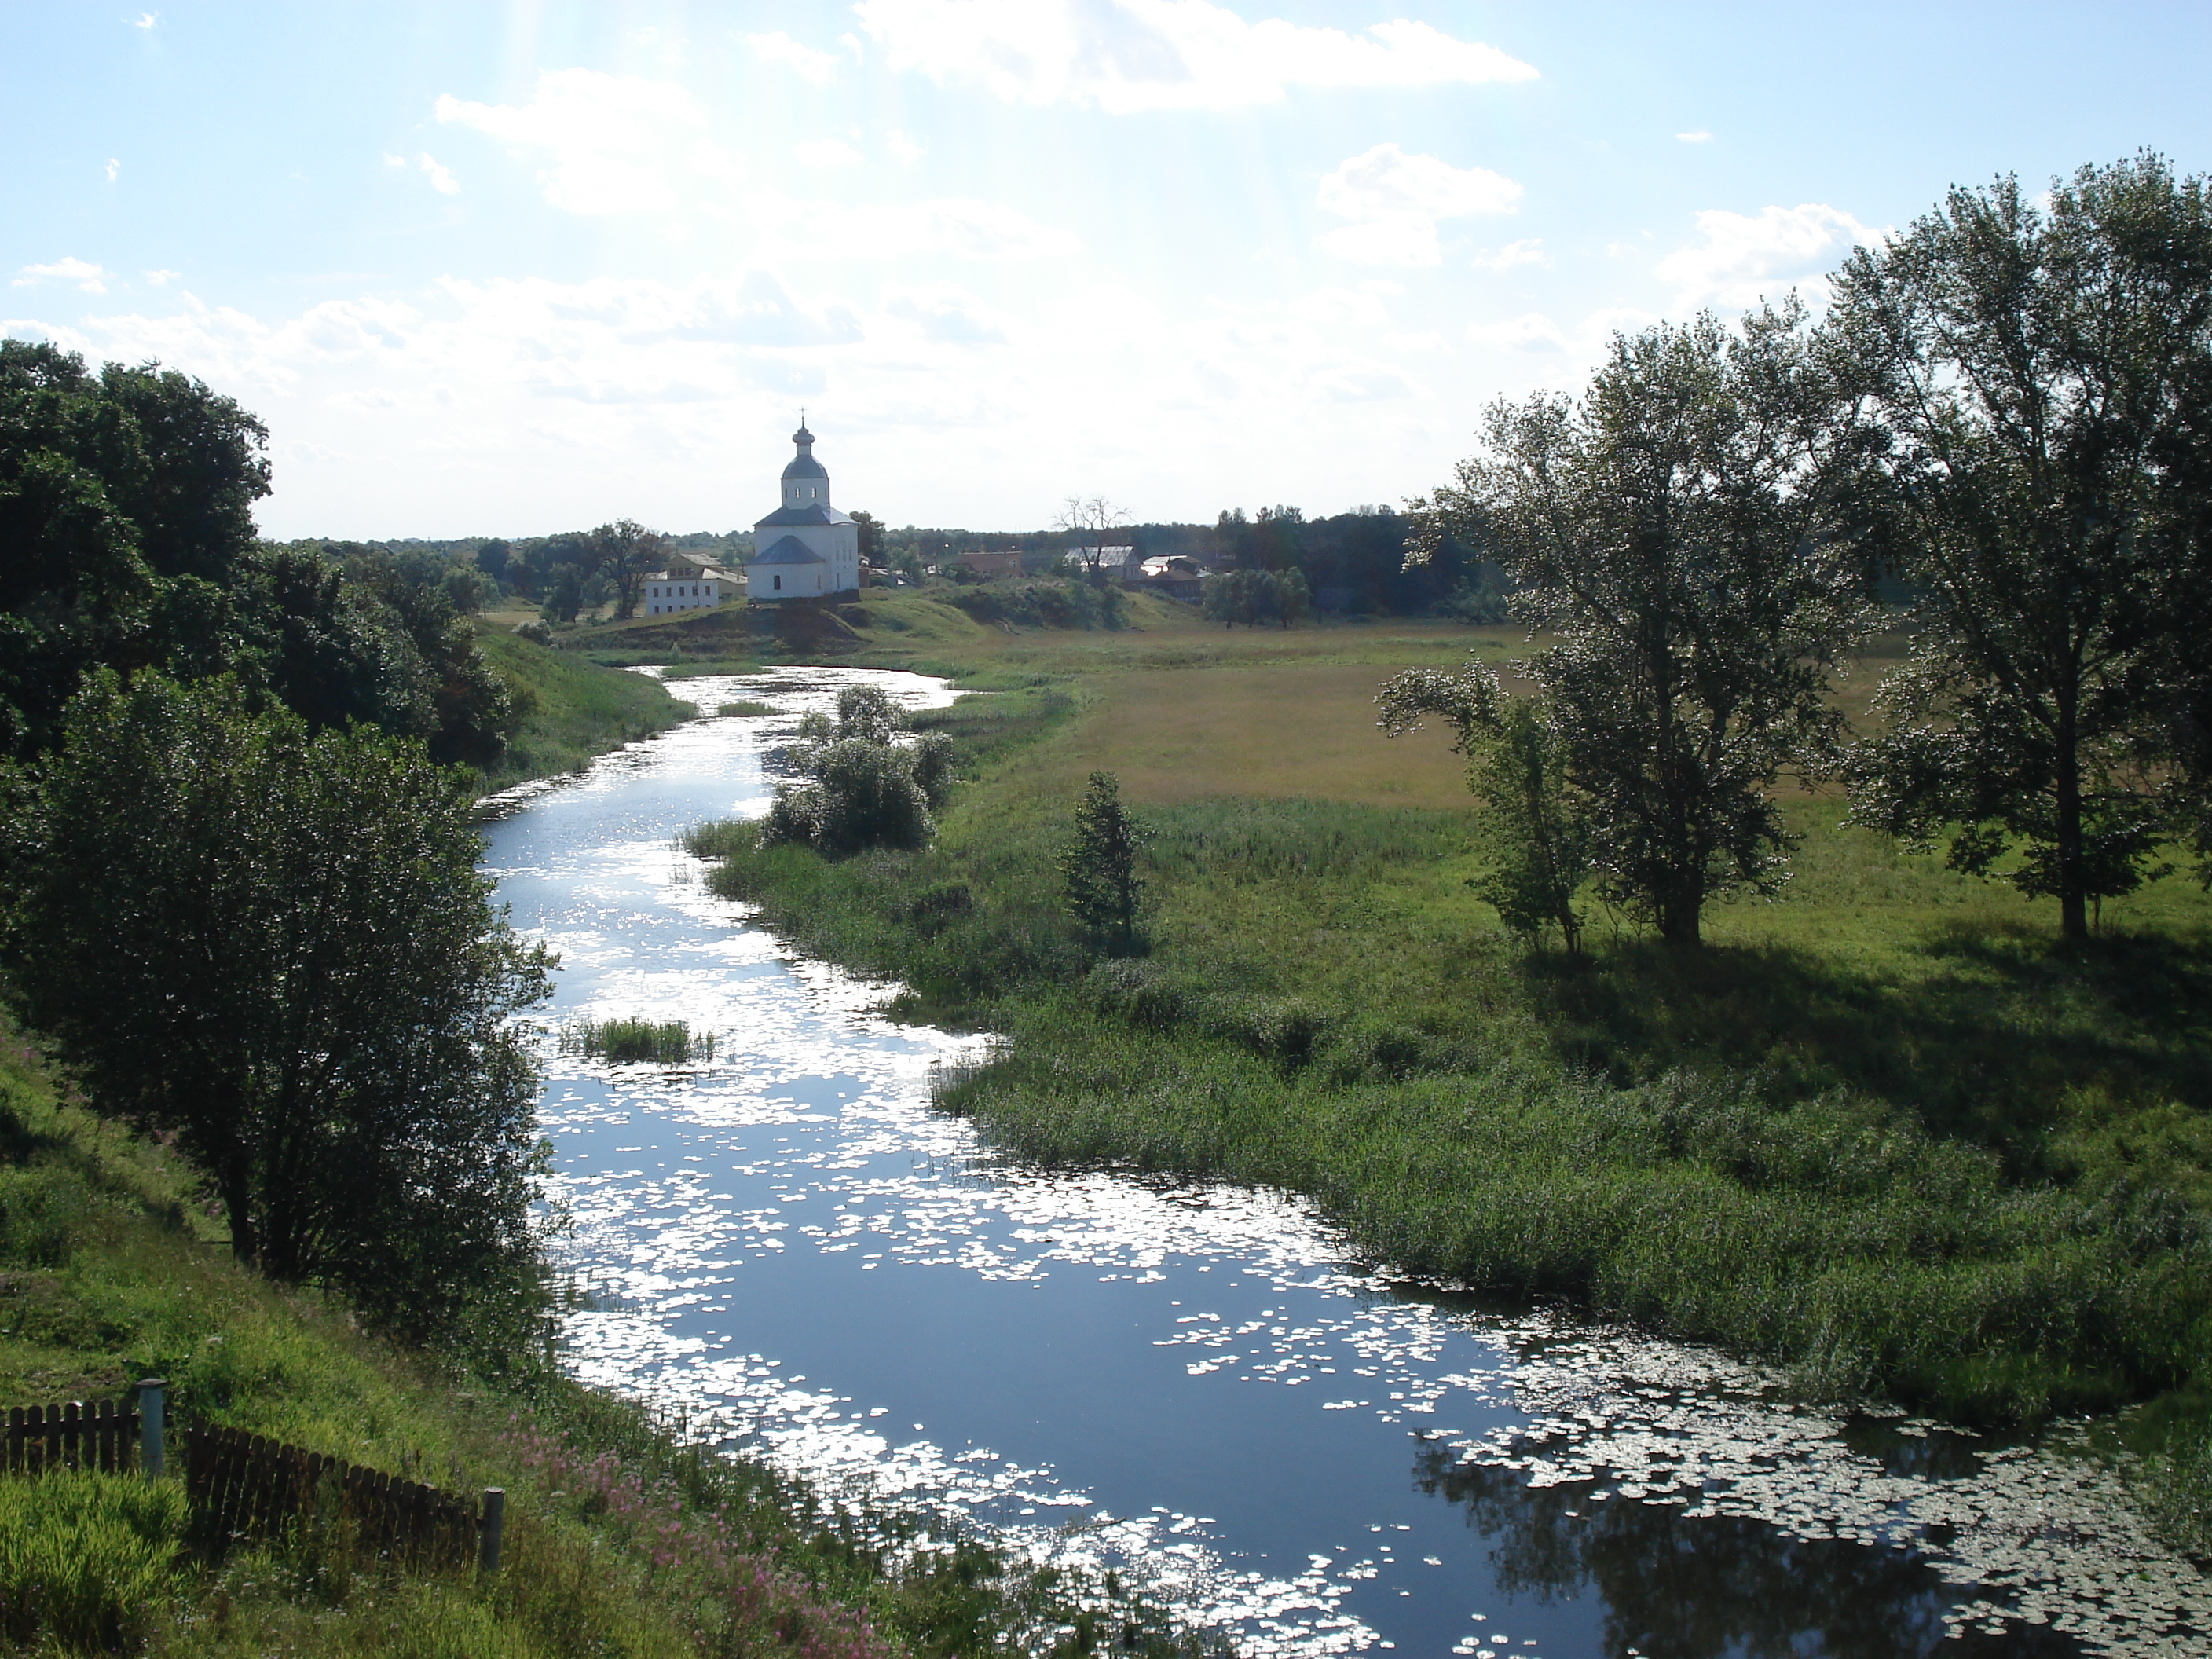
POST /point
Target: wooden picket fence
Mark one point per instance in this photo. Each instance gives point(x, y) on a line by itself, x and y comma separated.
point(243, 1487)
point(102, 1435)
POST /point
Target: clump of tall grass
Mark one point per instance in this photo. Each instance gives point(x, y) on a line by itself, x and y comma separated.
point(748, 707)
point(666, 1043)
point(87, 1561)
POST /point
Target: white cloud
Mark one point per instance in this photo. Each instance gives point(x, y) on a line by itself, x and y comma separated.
point(1528, 252)
point(440, 180)
point(1393, 201)
point(146, 20)
point(614, 143)
point(946, 315)
point(1740, 260)
point(826, 153)
point(903, 149)
point(1530, 332)
point(1700, 137)
point(89, 278)
point(1125, 56)
point(1553, 354)
point(619, 145)
point(961, 225)
point(819, 67)
point(161, 278)
point(113, 168)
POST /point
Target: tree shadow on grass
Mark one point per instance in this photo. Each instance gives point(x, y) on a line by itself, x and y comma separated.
point(1992, 1041)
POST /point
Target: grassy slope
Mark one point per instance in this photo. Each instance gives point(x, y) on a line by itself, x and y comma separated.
point(1882, 1131)
point(621, 1540)
point(577, 709)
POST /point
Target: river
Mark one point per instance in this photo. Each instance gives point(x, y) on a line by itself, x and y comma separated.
point(1193, 1384)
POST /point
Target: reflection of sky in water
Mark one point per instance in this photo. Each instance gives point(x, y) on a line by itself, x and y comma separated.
point(1189, 1382)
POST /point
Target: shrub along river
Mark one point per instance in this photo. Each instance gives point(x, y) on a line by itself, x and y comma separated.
point(1193, 1384)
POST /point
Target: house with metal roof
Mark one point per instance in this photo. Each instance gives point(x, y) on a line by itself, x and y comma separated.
point(686, 585)
point(807, 548)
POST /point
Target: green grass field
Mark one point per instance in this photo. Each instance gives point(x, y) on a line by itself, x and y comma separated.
point(1882, 1130)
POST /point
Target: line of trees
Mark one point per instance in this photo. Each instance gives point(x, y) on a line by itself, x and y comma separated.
point(2006, 410)
point(239, 899)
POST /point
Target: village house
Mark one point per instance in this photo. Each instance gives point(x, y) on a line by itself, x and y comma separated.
point(686, 585)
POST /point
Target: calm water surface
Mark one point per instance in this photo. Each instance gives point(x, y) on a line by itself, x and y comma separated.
point(1193, 1383)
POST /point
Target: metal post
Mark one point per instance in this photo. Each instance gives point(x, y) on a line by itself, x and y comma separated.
point(149, 1426)
point(495, 1512)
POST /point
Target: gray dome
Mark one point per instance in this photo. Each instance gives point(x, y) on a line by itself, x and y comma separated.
point(803, 465)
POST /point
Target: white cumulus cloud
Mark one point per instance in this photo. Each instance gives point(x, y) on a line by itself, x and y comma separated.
point(1126, 56)
point(612, 143)
point(113, 168)
point(1528, 252)
point(88, 277)
point(440, 180)
point(825, 153)
point(1393, 201)
point(946, 315)
point(819, 67)
point(1700, 137)
point(1740, 259)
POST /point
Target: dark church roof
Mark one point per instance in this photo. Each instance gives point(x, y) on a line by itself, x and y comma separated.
point(812, 512)
point(803, 465)
point(787, 550)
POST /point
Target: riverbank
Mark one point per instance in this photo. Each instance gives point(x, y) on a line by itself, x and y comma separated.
point(1883, 1132)
point(622, 1535)
point(572, 709)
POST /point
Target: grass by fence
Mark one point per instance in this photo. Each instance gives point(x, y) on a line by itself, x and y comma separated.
point(244, 1487)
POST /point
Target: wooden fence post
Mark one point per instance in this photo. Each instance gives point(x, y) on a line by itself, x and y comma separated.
point(494, 1516)
point(149, 1426)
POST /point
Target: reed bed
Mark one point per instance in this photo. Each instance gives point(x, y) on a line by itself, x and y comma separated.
point(663, 1042)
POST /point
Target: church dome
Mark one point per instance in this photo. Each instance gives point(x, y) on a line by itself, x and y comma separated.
point(803, 464)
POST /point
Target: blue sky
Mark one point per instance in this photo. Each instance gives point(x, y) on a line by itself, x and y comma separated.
point(510, 269)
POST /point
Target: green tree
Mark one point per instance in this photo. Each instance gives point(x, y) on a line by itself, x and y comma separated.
point(2037, 382)
point(1681, 529)
point(492, 558)
point(125, 511)
point(564, 595)
point(629, 552)
point(1533, 828)
point(864, 787)
point(869, 532)
point(1098, 864)
point(277, 948)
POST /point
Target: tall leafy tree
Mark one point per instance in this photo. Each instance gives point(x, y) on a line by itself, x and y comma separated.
point(2039, 381)
point(1678, 530)
point(627, 553)
point(125, 511)
point(277, 948)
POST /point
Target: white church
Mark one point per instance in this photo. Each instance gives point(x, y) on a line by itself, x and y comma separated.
point(806, 548)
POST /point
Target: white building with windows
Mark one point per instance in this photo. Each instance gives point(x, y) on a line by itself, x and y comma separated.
point(686, 586)
point(807, 548)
